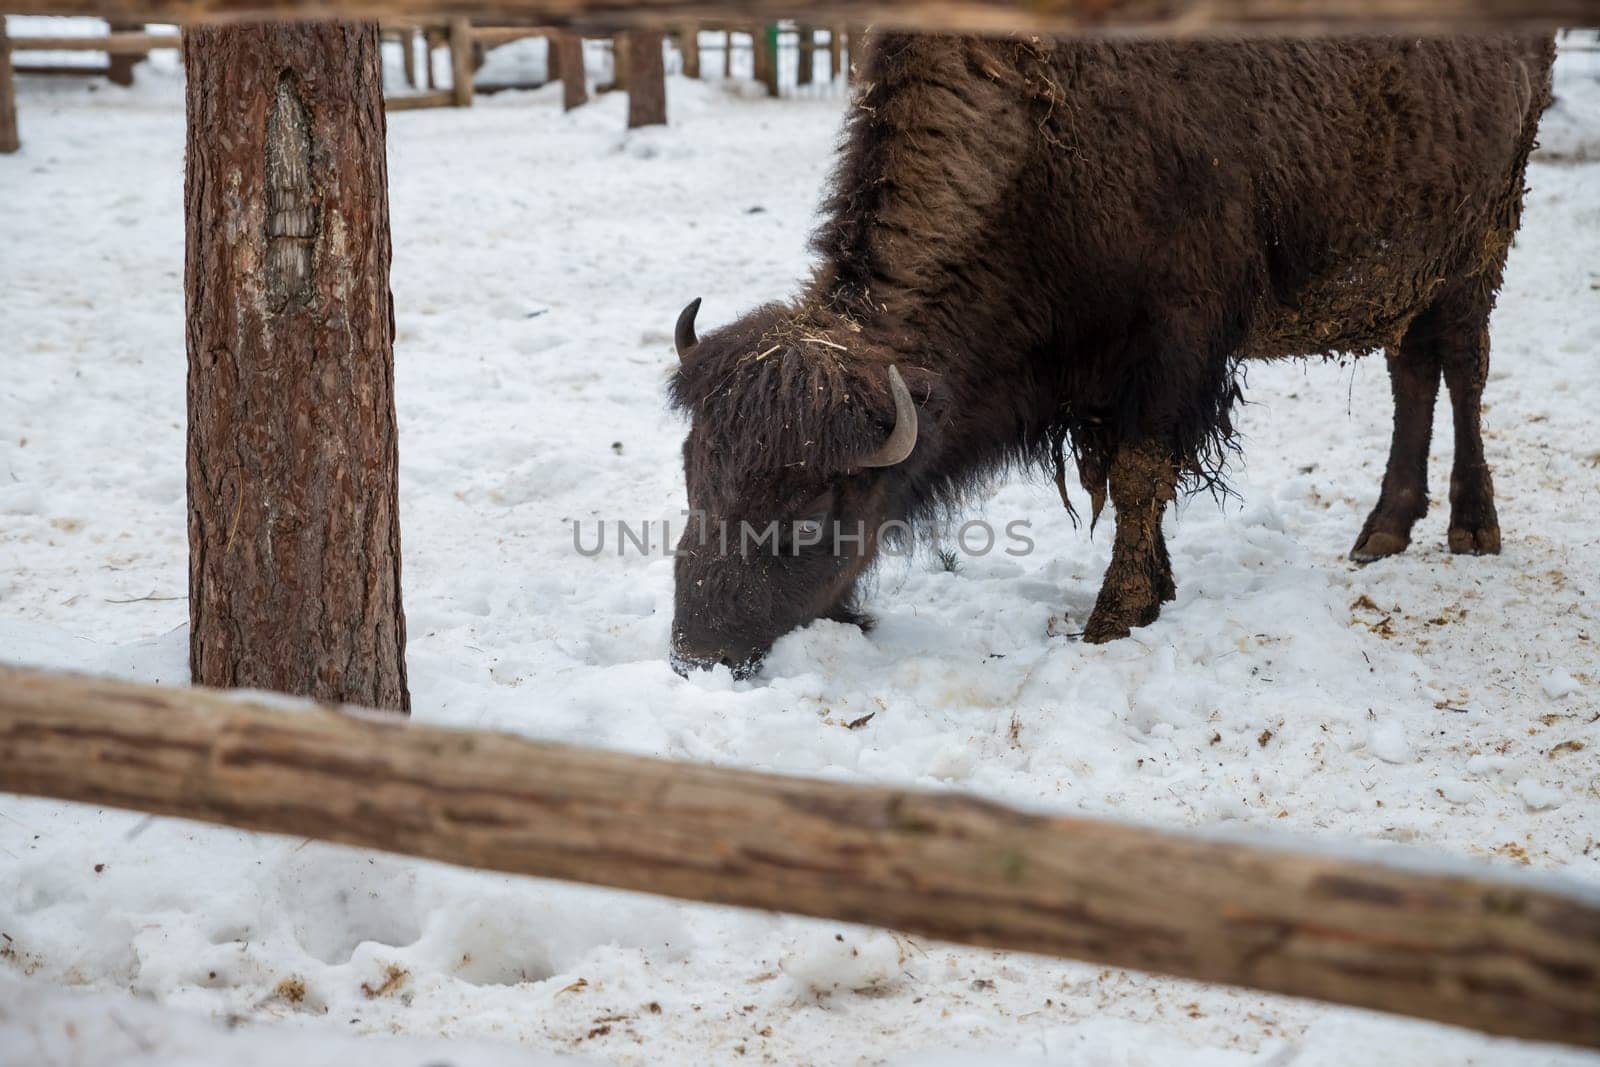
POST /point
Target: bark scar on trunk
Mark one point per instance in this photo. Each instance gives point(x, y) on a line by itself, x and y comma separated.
point(291, 217)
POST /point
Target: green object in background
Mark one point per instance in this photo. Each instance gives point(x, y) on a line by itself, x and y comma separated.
point(770, 74)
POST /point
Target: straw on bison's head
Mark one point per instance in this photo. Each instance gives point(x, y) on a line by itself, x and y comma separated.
point(802, 450)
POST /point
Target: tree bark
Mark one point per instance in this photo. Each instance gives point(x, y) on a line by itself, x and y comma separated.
point(294, 537)
point(1475, 947)
point(9, 142)
point(574, 78)
point(646, 78)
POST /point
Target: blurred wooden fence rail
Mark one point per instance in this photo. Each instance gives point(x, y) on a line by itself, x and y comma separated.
point(111, 43)
point(1164, 16)
point(125, 46)
point(1480, 949)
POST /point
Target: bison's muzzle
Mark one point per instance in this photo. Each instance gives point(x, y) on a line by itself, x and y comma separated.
point(690, 655)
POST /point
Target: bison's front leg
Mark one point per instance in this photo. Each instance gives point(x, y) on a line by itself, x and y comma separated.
point(1143, 480)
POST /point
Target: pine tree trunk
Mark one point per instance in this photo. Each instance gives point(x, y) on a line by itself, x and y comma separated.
point(646, 78)
point(8, 95)
point(294, 536)
point(574, 80)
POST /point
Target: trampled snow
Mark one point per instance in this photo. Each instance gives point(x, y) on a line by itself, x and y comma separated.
point(1428, 700)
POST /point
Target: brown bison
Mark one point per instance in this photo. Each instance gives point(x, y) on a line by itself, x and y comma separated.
point(1033, 246)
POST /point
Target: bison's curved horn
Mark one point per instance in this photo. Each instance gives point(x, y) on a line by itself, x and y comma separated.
point(903, 438)
point(683, 335)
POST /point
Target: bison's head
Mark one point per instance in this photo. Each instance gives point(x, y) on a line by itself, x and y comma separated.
point(802, 453)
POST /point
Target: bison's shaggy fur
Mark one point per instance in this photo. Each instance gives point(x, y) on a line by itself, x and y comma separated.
point(1076, 244)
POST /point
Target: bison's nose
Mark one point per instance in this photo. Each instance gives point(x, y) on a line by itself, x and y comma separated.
point(686, 658)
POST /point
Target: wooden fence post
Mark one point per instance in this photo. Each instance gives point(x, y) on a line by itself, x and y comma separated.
point(689, 46)
point(294, 528)
point(9, 141)
point(646, 78)
point(120, 68)
point(619, 62)
point(805, 52)
point(461, 64)
point(408, 54)
point(764, 42)
point(574, 78)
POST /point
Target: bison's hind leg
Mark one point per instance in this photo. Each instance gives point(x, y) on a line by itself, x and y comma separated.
point(1143, 480)
point(1464, 348)
point(1450, 339)
point(1414, 380)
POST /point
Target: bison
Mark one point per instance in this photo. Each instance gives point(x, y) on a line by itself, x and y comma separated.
point(1032, 249)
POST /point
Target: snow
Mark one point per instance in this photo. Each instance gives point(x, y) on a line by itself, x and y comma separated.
point(1388, 742)
point(540, 260)
point(1559, 683)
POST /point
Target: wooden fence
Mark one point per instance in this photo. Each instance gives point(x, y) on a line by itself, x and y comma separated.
point(465, 44)
point(1161, 16)
point(1486, 950)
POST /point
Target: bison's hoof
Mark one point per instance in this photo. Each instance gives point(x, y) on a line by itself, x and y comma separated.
point(1378, 544)
point(1484, 541)
point(1103, 628)
point(1108, 622)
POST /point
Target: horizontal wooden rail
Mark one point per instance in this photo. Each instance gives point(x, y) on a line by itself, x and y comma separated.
point(420, 101)
point(493, 36)
point(117, 44)
point(1163, 16)
point(75, 70)
point(1487, 950)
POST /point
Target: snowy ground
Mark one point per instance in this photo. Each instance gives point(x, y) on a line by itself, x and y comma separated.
point(539, 261)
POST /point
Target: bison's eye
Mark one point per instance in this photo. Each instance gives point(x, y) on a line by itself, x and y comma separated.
point(816, 509)
point(807, 524)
